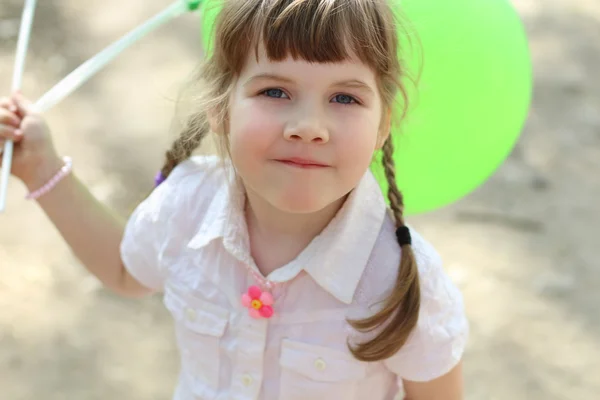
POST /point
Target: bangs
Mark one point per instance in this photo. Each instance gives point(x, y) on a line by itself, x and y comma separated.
point(321, 31)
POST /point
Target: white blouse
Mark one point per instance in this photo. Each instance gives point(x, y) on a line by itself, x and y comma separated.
point(189, 239)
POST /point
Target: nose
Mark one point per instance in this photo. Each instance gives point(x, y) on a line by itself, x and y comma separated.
point(308, 127)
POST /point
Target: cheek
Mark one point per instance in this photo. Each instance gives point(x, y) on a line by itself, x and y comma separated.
point(252, 130)
point(358, 139)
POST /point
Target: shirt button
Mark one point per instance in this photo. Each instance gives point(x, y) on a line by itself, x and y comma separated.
point(190, 314)
point(320, 364)
point(247, 380)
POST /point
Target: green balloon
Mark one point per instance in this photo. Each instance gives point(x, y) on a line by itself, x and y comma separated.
point(470, 105)
point(209, 11)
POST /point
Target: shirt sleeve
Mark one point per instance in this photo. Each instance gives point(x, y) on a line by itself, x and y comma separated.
point(437, 343)
point(147, 235)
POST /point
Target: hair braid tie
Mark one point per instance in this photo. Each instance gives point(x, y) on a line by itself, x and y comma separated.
point(403, 236)
point(159, 178)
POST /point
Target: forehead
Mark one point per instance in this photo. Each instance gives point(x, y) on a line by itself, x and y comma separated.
point(297, 68)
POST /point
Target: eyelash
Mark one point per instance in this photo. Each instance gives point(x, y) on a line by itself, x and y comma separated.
point(353, 99)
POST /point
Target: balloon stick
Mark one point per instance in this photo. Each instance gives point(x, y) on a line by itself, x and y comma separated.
point(22, 44)
point(89, 68)
point(85, 71)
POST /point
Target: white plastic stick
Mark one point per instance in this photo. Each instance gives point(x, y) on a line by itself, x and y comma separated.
point(84, 72)
point(22, 45)
point(89, 68)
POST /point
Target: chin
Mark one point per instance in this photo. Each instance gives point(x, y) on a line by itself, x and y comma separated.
point(301, 203)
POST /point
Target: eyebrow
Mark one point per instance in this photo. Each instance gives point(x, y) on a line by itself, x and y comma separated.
point(273, 77)
point(352, 83)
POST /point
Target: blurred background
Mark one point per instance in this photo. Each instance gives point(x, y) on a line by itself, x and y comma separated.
point(524, 248)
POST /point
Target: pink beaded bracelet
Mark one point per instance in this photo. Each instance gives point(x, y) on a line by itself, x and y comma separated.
point(64, 171)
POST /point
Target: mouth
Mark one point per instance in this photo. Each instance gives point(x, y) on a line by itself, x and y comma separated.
point(302, 163)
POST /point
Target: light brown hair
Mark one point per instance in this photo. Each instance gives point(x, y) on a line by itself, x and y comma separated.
point(321, 31)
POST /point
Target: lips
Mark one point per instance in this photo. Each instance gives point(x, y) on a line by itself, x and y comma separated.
point(302, 163)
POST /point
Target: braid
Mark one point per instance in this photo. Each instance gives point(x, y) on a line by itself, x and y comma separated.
point(400, 312)
point(394, 195)
point(183, 147)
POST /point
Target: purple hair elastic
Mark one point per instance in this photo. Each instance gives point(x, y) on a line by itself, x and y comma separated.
point(159, 178)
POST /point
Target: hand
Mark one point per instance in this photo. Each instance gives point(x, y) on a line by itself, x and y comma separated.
point(34, 160)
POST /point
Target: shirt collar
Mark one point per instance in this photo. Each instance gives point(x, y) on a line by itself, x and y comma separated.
point(335, 259)
point(345, 245)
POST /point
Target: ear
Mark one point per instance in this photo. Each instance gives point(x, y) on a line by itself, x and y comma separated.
point(385, 128)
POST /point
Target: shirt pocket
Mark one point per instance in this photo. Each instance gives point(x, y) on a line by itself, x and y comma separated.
point(200, 326)
point(316, 372)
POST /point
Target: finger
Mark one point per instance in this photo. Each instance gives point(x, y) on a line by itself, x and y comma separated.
point(9, 104)
point(9, 118)
point(10, 133)
point(24, 105)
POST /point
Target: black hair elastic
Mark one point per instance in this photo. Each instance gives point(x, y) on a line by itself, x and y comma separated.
point(403, 235)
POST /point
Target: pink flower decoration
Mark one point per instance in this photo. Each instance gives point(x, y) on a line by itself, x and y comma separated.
point(258, 302)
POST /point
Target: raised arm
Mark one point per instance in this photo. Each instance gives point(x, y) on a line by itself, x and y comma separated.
point(91, 230)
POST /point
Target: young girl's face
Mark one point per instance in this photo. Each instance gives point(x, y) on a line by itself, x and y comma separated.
point(303, 134)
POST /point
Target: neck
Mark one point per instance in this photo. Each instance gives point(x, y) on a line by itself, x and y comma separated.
point(276, 236)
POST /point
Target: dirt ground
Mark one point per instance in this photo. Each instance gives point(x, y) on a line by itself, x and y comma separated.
point(523, 247)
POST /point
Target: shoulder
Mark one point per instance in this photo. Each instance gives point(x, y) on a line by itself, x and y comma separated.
point(437, 343)
point(182, 197)
point(187, 186)
point(168, 217)
point(195, 173)
point(383, 264)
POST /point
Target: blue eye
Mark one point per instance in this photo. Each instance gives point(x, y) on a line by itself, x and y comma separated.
point(275, 93)
point(345, 99)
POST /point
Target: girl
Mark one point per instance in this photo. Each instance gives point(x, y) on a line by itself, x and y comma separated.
point(285, 273)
